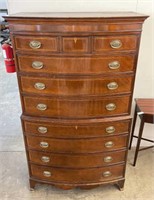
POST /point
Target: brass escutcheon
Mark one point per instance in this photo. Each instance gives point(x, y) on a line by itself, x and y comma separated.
point(116, 44)
point(39, 86)
point(35, 44)
point(114, 65)
point(37, 65)
point(47, 173)
point(44, 144)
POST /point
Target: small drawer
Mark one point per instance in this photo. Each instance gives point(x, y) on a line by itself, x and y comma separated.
point(114, 43)
point(29, 43)
point(78, 145)
point(77, 161)
point(77, 65)
point(77, 175)
point(86, 129)
point(75, 44)
point(76, 108)
point(77, 86)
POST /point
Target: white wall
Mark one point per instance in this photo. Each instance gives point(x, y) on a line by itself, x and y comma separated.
point(144, 86)
point(3, 4)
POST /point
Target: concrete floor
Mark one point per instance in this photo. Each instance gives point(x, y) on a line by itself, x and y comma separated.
point(139, 183)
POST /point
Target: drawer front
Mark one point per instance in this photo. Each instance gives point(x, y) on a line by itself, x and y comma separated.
point(114, 43)
point(76, 130)
point(77, 176)
point(76, 108)
point(76, 26)
point(78, 145)
point(75, 44)
point(36, 44)
point(79, 65)
point(77, 161)
point(76, 86)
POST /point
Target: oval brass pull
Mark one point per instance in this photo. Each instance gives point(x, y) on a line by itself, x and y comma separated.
point(110, 107)
point(107, 174)
point(34, 44)
point(109, 144)
point(112, 86)
point(45, 159)
point(39, 86)
point(41, 106)
point(110, 129)
point(116, 44)
point(42, 129)
point(37, 65)
point(47, 173)
point(114, 65)
point(44, 144)
point(108, 159)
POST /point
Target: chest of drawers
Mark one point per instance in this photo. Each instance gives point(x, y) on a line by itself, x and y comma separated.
point(76, 75)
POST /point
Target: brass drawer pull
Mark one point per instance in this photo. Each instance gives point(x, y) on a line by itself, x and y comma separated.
point(110, 106)
point(35, 44)
point(44, 144)
point(37, 65)
point(109, 144)
point(41, 106)
point(39, 86)
point(47, 173)
point(107, 174)
point(110, 129)
point(42, 129)
point(112, 86)
point(45, 159)
point(108, 159)
point(116, 44)
point(114, 65)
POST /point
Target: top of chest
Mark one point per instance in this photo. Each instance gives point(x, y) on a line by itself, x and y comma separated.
point(76, 22)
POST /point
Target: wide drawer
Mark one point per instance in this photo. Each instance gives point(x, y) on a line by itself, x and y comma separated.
point(48, 128)
point(76, 86)
point(76, 65)
point(115, 43)
point(36, 44)
point(77, 175)
point(77, 161)
point(76, 108)
point(77, 145)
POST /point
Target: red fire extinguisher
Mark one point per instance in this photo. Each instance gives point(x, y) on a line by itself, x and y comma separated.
point(8, 58)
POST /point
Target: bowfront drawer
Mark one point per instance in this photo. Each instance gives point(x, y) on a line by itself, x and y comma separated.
point(76, 108)
point(79, 65)
point(78, 145)
point(76, 130)
point(36, 44)
point(77, 161)
point(77, 176)
point(114, 43)
point(76, 86)
point(75, 44)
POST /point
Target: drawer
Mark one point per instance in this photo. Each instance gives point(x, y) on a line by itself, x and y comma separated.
point(91, 145)
point(77, 175)
point(115, 43)
point(29, 43)
point(76, 108)
point(75, 44)
point(77, 27)
point(77, 65)
point(77, 86)
point(75, 130)
point(77, 161)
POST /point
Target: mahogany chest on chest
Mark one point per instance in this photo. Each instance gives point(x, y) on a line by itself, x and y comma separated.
point(76, 75)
